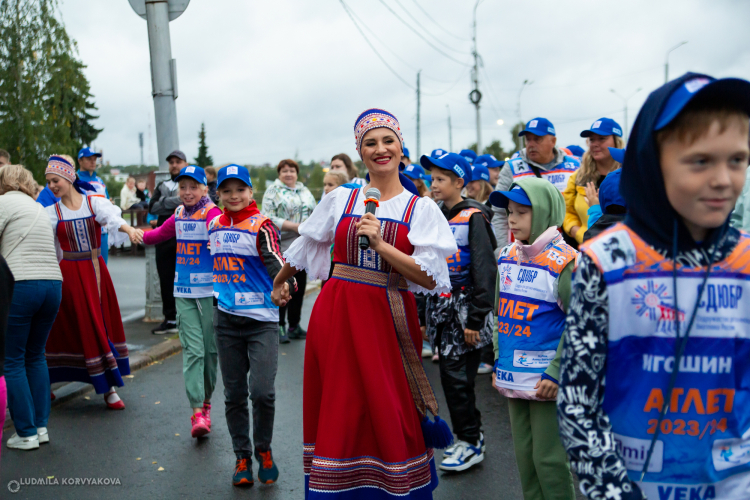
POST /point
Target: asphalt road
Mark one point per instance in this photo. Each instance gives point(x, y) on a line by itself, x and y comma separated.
point(129, 447)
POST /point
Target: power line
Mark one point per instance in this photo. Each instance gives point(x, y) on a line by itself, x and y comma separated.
point(436, 23)
point(426, 31)
point(395, 54)
point(395, 73)
point(449, 88)
point(420, 35)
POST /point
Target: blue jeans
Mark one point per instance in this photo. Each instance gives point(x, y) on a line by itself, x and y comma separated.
point(32, 312)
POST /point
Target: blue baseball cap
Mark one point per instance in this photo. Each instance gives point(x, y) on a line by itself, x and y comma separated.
point(415, 171)
point(538, 126)
point(406, 152)
point(501, 199)
point(86, 152)
point(480, 173)
point(617, 154)
point(469, 154)
point(603, 126)
point(437, 153)
point(732, 90)
point(576, 150)
point(449, 161)
point(234, 172)
point(194, 172)
point(488, 161)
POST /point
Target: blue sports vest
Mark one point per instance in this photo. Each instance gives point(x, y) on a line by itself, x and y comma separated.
point(703, 450)
point(193, 275)
point(459, 264)
point(558, 176)
point(530, 318)
point(241, 282)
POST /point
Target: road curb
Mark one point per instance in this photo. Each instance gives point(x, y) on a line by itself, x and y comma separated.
point(139, 360)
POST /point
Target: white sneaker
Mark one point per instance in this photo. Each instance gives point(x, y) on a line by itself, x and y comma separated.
point(464, 457)
point(23, 443)
point(484, 368)
point(452, 448)
point(426, 352)
point(43, 435)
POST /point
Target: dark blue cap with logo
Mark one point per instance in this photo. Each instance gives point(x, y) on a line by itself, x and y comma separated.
point(488, 161)
point(480, 173)
point(538, 126)
point(452, 162)
point(603, 126)
point(234, 172)
point(436, 153)
point(502, 198)
point(469, 154)
point(732, 90)
point(194, 172)
point(86, 152)
point(415, 171)
point(576, 150)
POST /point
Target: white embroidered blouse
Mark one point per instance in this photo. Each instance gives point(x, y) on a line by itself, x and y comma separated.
point(429, 233)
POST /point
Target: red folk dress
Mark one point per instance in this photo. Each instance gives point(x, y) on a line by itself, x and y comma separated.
point(87, 341)
point(362, 433)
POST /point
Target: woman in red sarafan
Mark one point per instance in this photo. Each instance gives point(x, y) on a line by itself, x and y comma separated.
point(365, 392)
point(87, 341)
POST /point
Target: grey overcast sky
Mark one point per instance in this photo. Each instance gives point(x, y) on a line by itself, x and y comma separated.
point(275, 79)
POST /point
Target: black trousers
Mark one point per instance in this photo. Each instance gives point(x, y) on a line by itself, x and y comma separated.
point(457, 377)
point(166, 261)
point(293, 310)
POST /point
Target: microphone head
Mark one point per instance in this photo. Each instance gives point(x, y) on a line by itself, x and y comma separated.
point(373, 193)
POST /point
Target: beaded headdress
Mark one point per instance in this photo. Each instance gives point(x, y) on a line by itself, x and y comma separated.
point(375, 118)
point(60, 166)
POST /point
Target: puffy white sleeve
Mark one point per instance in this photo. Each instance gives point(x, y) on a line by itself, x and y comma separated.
point(312, 250)
point(433, 243)
point(53, 221)
point(109, 216)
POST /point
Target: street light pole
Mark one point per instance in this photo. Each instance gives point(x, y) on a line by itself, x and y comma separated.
point(475, 95)
point(450, 130)
point(523, 85)
point(666, 60)
point(625, 104)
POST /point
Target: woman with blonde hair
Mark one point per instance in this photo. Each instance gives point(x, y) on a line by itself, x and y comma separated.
point(583, 185)
point(342, 162)
point(27, 244)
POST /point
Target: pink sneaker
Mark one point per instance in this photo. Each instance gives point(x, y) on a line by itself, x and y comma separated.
point(200, 426)
point(207, 413)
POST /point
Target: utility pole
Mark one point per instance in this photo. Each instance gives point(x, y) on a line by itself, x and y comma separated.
point(666, 61)
point(625, 105)
point(475, 95)
point(419, 105)
point(140, 142)
point(450, 130)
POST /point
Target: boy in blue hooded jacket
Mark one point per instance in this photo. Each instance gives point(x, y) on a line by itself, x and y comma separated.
point(654, 397)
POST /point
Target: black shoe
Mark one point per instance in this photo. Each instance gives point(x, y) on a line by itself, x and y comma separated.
point(297, 333)
point(283, 337)
point(165, 327)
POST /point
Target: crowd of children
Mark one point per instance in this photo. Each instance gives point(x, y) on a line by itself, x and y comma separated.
point(604, 291)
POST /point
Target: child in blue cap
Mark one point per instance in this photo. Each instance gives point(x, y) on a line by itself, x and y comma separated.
point(532, 294)
point(460, 322)
point(193, 291)
point(246, 259)
point(654, 395)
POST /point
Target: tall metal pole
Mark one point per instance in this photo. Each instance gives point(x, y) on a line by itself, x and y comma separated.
point(450, 130)
point(419, 136)
point(140, 142)
point(625, 104)
point(476, 95)
point(666, 61)
point(163, 79)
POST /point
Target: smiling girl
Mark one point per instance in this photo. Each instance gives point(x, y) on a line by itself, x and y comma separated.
point(358, 399)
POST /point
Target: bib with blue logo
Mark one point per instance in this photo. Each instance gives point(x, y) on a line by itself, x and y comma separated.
point(530, 318)
point(241, 282)
point(459, 264)
point(558, 175)
point(193, 275)
point(703, 449)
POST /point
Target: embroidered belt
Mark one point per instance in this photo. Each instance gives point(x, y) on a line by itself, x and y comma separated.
point(82, 255)
point(393, 282)
point(366, 276)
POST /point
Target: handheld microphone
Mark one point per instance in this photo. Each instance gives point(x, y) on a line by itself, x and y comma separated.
point(371, 203)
